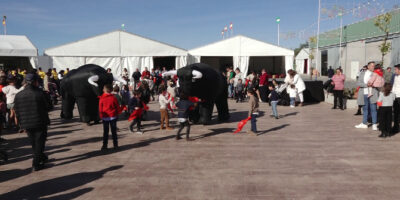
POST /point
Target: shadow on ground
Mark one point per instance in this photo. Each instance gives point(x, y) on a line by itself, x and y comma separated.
point(57, 185)
point(272, 129)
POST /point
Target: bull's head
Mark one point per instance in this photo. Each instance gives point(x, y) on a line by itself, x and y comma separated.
point(97, 80)
point(191, 76)
point(186, 78)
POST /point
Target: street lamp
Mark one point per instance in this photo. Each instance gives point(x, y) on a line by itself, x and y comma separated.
point(278, 20)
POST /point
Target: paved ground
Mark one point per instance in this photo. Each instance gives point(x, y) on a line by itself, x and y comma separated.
point(311, 153)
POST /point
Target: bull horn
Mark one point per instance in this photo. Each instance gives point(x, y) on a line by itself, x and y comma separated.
point(92, 80)
point(196, 74)
point(170, 73)
point(119, 79)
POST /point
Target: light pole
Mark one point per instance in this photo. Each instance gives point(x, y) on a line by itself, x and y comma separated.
point(319, 20)
point(278, 20)
point(340, 40)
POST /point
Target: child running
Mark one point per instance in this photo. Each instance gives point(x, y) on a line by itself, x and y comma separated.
point(135, 105)
point(183, 114)
point(10, 91)
point(108, 111)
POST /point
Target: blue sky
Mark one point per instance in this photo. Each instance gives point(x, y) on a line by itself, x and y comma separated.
point(183, 23)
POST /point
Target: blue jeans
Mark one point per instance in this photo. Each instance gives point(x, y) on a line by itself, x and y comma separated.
point(274, 104)
point(230, 91)
point(292, 101)
point(253, 123)
point(369, 107)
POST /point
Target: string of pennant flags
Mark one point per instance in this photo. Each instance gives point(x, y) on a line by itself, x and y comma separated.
point(365, 10)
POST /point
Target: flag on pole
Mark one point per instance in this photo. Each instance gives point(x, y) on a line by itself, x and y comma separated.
point(222, 32)
point(231, 26)
point(4, 20)
point(278, 20)
point(123, 27)
point(226, 29)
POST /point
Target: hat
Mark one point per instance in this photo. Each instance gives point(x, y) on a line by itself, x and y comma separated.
point(31, 77)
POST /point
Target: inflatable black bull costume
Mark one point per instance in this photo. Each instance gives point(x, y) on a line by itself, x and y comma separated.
point(202, 81)
point(83, 86)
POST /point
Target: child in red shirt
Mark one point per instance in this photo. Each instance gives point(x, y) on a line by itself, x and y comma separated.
point(108, 110)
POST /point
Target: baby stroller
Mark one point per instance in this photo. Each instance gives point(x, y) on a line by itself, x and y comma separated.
point(283, 95)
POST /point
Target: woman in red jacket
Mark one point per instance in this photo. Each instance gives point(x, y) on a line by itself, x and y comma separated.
point(108, 110)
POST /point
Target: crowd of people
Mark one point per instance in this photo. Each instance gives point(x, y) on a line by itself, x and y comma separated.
point(27, 97)
point(378, 96)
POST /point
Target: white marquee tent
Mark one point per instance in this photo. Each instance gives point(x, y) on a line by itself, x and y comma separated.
point(242, 49)
point(18, 46)
point(115, 50)
point(303, 61)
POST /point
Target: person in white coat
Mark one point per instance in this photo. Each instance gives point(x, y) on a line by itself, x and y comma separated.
point(237, 77)
point(294, 79)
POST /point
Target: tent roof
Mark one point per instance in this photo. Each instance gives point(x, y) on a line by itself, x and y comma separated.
point(17, 45)
point(241, 46)
point(303, 54)
point(116, 43)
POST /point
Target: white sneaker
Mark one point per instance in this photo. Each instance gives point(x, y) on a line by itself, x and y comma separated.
point(362, 125)
point(139, 132)
point(375, 127)
point(292, 106)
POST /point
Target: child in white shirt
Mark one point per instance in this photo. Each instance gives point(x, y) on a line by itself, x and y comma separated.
point(164, 101)
point(292, 94)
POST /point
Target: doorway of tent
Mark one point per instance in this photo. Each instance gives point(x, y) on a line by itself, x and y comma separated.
point(166, 61)
point(274, 65)
point(10, 63)
point(218, 63)
point(324, 63)
point(305, 70)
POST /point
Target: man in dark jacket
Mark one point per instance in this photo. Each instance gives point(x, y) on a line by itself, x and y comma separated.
point(331, 72)
point(32, 112)
point(136, 78)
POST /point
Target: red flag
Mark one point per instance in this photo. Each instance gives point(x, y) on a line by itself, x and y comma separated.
point(135, 114)
point(145, 107)
point(121, 109)
point(194, 99)
point(241, 124)
point(225, 29)
point(231, 26)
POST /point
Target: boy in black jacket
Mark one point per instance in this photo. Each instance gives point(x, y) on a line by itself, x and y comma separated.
point(183, 114)
point(135, 104)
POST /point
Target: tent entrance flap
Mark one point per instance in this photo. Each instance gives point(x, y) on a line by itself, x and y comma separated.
point(8, 63)
point(219, 63)
point(168, 62)
point(275, 65)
